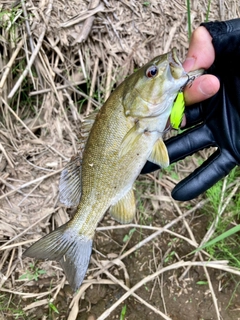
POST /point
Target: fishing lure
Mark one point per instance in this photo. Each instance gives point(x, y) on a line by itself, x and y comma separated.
point(177, 111)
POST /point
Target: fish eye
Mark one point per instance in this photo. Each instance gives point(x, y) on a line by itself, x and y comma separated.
point(152, 71)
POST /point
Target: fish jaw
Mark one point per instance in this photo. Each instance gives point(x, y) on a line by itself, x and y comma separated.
point(152, 96)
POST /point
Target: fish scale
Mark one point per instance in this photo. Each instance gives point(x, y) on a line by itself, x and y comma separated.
point(126, 132)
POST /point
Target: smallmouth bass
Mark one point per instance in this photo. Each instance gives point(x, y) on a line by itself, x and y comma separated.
point(125, 133)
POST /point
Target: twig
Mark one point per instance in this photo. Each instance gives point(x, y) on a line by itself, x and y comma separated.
point(87, 25)
point(10, 186)
point(35, 52)
point(27, 184)
point(3, 247)
point(31, 42)
point(172, 33)
point(82, 64)
point(83, 16)
point(114, 279)
point(151, 237)
point(17, 117)
point(109, 77)
point(10, 62)
point(6, 156)
point(29, 193)
point(95, 103)
point(132, 225)
point(29, 295)
point(75, 301)
point(65, 86)
point(30, 131)
point(16, 244)
point(214, 264)
point(205, 269)
point(211, 230)
point(93, 82)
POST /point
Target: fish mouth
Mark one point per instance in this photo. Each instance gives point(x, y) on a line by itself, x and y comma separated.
point(174, 58)
point(176, 67)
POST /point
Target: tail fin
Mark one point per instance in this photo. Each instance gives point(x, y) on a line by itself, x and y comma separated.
point(67, 246)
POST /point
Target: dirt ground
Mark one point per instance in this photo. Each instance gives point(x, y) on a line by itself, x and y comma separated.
point(77, 52)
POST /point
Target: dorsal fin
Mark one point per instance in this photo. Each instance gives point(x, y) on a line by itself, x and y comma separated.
point(70, 182)
point(86, 127)
point(71, 179)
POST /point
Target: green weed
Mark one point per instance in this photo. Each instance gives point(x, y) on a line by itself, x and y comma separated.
point(170, 257)
point(9, 22)
point(10, 307)
point(128, 236)
point(53, 307)
point(123, 312)
point(208, 10)
point(224, 211)
point(189, 16)
point(189, 19)
point(170, 171)
point(202, 283)
point(33, 273)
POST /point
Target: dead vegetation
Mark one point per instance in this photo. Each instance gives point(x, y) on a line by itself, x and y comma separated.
point(59, 60)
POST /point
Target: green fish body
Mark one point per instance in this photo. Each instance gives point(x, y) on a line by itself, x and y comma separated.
point(125, 133)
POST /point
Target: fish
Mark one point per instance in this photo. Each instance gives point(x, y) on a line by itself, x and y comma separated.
point(116, 142)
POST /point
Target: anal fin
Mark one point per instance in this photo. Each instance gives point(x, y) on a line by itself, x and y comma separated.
point(124, 210)
point(159, 154)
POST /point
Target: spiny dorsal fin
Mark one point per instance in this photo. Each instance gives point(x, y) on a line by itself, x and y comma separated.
point(71, 179)
point(124, 210)
point(70, 182)
point(86, 126)
point(159, 154)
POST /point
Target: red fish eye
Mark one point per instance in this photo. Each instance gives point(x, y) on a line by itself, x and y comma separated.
point(152, 72)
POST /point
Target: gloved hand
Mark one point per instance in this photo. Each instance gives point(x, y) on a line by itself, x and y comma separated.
point(217, 119)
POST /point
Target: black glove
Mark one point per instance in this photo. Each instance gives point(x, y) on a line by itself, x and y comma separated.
point(217, 119)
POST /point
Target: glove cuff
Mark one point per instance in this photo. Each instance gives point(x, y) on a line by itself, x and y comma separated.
point(225, 36)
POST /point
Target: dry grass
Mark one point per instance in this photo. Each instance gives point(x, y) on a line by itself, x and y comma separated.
point(58, 61)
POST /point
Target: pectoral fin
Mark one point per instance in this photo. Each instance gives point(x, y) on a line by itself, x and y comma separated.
point(124, 210)
point(159, 154)
point(130, 139)
point(70, 182)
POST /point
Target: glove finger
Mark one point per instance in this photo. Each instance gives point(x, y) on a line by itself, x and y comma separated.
point(149, 167)
point(193, 115)
point(189, 142)
point(210, 172)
